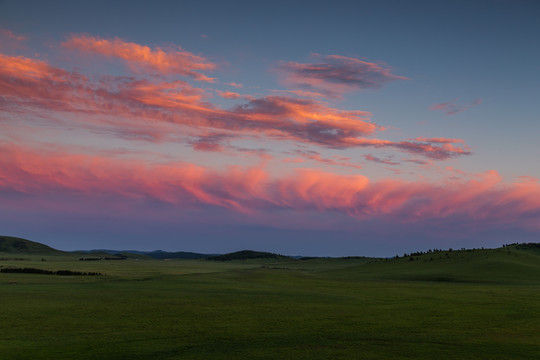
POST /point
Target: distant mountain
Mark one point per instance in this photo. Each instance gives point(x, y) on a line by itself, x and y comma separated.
point(110, 252)
point(15, 245)
point(248, 254)
point(156, 254)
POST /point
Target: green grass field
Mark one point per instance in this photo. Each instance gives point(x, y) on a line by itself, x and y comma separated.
point(465, 305)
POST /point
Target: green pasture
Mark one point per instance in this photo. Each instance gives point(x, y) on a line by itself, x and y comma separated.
point(465, 305)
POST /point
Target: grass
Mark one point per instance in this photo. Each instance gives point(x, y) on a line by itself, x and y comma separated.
point(469, 305)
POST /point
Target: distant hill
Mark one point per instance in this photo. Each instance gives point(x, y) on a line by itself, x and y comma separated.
point(137, 256)
point(247, 254)
point(156, 254)
point(159, 254)
point(15, 245)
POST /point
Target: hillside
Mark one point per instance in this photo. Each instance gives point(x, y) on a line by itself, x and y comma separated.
point(248, 254)
point(517, 264)
point(15, 245)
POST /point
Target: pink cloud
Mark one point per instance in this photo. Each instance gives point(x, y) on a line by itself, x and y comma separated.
point(163, 61)
point(27, 83)
point(315, 156)
point(440, 140)
point(484, 198)
point(451, 107)
point(336, 74)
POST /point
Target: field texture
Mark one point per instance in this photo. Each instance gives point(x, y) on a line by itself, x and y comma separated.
point(482, 304)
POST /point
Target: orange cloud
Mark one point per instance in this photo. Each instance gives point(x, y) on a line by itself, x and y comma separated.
point(233, 95)
point(163, 61)
point(28, 84)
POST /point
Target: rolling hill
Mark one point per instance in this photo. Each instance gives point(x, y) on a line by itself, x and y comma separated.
point(513, 263)
point(516, 264)
point(15, 245)
point(248, 254)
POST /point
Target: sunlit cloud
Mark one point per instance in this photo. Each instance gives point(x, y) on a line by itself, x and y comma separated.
point(65, 173)
point(139, 57)
point(233, 95)
point(141, 104)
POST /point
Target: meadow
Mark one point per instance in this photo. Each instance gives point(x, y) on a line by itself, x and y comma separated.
point(482, 304)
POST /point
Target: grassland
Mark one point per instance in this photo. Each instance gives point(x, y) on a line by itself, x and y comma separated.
point(447, 305)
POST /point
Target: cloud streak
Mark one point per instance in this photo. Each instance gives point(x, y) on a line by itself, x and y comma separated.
point(303, 155)
point(8, 34)
point(375, 159)
point(172, 61)
point(335, 75)
point(451, 107)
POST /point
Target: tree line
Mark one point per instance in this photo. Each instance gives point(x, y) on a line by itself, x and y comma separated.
point(48, 272)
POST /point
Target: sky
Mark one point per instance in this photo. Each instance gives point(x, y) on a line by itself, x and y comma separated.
point(298, 127)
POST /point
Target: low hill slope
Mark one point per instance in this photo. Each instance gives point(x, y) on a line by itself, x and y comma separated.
point(248, 254)
point(507, 265)
point(15, 245)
